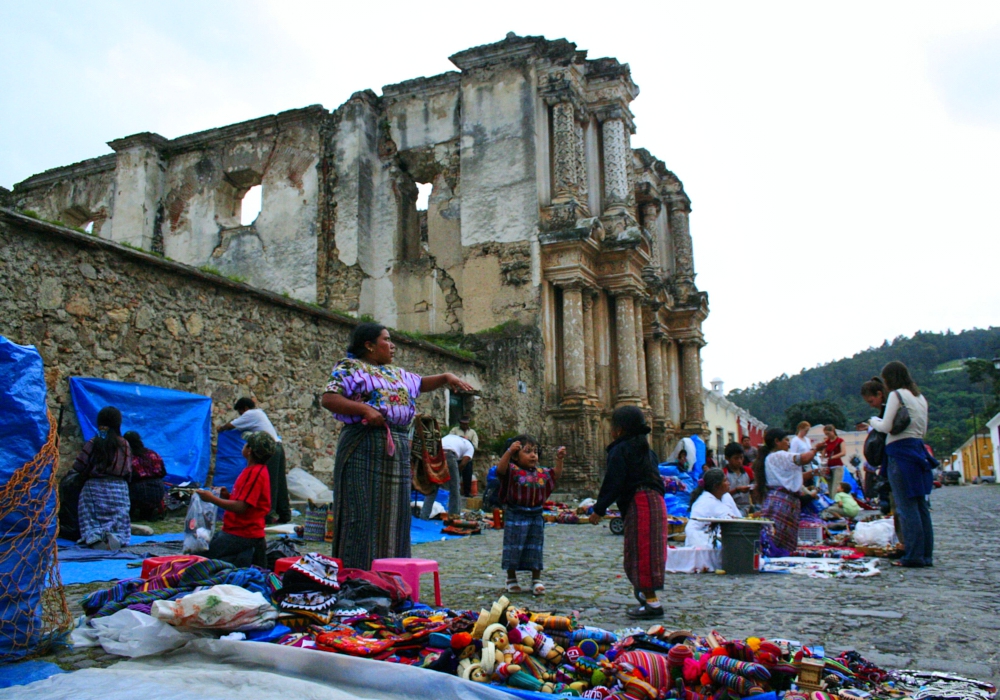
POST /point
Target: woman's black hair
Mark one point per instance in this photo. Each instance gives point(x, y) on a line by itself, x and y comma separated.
point(363, 333)
point(710, 480)
point(135, 442)
point(631, 420)
point(873, 387)
point(105, 447)
point(897, 376)
point(771, 436)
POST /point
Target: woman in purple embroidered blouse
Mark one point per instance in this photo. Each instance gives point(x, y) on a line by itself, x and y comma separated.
point(371, 477)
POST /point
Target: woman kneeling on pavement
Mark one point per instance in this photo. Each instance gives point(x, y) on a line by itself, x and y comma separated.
point(710, 500)
point(910, 469)
point(778, 479)
point(242, 540)
point(106, 463)
point(633, 480)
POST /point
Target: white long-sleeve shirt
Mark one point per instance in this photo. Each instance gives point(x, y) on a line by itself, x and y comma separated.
point(699, 534)
point(916, 405)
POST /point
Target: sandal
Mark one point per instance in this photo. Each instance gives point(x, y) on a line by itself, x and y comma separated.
point(513, 587)
point(537, 588)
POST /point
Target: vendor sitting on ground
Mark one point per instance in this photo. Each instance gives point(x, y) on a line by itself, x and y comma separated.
point(242, 541)
point(106, 463)
point(710, 500)
point(739, 480)
point(845, 506)
point(145, 491)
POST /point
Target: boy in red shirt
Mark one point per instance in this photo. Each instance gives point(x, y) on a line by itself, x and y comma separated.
point(242, 541)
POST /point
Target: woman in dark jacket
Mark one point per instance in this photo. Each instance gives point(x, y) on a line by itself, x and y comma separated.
point(145, 491)
point(633, 480)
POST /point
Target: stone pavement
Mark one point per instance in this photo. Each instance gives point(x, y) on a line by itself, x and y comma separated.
point(946, 618)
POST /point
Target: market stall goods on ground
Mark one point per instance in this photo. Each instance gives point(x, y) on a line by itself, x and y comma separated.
point(340, 627)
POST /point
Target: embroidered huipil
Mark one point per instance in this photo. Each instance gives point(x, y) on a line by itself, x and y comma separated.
point(529, 488)
point(389, 389)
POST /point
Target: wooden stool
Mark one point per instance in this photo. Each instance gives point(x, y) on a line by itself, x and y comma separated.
point(410, 570)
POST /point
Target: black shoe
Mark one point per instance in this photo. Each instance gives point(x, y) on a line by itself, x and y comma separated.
point(645, 612)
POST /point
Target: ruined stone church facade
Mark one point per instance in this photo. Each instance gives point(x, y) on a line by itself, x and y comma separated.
point(542, 219)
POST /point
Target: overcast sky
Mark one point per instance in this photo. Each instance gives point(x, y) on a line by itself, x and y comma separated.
point(843, 159)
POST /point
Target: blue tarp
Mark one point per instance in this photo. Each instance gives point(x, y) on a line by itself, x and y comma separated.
point(856, 490)
point(26, 672)
point(24, 428)
point(678, 504)
point(699, 458)
point(229, 459)
point(173, 423)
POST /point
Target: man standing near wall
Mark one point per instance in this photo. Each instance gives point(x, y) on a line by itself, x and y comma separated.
point(463, 430)
point(253, 419)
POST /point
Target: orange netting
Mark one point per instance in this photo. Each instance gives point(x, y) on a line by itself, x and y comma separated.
point(31, 591)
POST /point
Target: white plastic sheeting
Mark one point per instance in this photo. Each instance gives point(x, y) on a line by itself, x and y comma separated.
point(304, 486)
point(221, 669)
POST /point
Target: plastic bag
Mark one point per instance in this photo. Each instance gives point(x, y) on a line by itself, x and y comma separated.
point(221, 607)
point(132, 633)
point(875, 533)
point(198, 526)
point(304, 486)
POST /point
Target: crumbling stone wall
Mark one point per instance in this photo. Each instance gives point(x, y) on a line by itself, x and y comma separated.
point(94, 308)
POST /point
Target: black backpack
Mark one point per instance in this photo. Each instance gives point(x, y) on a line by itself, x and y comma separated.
point(875, 448)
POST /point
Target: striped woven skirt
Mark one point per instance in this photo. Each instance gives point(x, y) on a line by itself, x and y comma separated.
point(104, 508)
point(371, 496)
point(784, 508)
point(523, 538)
point(646, 540)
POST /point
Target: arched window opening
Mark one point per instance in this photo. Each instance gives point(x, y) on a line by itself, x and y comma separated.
point(424, 195)
point(250, 206)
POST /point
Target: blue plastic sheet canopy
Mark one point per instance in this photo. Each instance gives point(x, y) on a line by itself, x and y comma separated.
point(28, 524)
point(229, 460)
point(175, 424)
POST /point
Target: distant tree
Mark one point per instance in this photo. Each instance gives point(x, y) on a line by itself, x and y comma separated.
point(816, 412)
point(983, 372)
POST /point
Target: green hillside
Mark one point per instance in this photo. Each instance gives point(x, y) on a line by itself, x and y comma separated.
point(934, 359)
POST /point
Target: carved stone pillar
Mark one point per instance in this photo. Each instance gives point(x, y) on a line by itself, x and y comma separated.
point(694, 408)
point(672, 395)
point(565, 160)
point(680, 235)
point(628, 384)
point(616, 155)
point(573, 345)
point(640, 352)
point(654, 365)
point(589, 354)
point(581, 164)
point(650, 212)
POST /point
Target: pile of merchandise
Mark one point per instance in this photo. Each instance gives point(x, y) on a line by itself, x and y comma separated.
point(317, 605)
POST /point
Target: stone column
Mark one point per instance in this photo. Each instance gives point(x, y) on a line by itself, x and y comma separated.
point(574, 347)
point(616, 155)
point(581, 163)
point(138, 188)
point(628, 384)
point(654, 364)
point(565, 146)
point(589, 354)
point(650, 212)
point(679, 206)
point(640, 352)
point(694, 408)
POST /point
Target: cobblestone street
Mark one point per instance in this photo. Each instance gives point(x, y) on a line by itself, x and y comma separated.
point(946, 618)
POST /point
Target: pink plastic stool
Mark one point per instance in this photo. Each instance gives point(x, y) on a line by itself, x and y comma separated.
point(410, 570)
point(150, 563)
point(285, 563)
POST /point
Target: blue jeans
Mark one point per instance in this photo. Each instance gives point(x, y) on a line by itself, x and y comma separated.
point(454, 490)
point(914, 520)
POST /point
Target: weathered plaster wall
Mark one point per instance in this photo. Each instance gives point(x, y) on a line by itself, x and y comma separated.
point(79, 193)
point(93, 308)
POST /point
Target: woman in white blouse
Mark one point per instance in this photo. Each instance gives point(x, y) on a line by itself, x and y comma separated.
point(910, 468)
point(710, 500)
point(778, 479)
